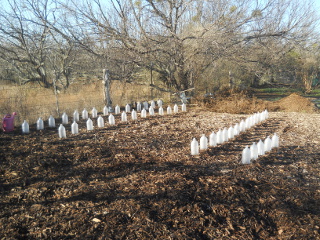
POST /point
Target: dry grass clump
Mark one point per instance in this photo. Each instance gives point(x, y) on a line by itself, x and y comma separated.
point(33, 101)
point(241, 102)
point(233, 101)
point(238, 104)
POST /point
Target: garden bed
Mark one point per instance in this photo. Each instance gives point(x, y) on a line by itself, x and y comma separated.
point(137, 180)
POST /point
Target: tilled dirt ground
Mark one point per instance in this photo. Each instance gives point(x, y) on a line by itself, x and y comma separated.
point(137, 180)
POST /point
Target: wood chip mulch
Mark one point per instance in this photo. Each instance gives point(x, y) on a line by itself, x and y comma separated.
point(137, 180)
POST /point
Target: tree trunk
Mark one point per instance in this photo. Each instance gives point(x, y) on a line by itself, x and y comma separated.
point(107, 97)
point(43, 77)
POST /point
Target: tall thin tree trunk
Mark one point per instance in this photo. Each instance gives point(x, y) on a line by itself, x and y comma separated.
point(56, 96)
point(151, 83)
point(107, 97)
point(307, 82)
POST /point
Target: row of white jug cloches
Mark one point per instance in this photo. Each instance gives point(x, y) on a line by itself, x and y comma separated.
point(100, 121)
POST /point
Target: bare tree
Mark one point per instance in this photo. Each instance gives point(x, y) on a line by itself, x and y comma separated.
point(22, 43)
point(29, 45)
point(180, 39)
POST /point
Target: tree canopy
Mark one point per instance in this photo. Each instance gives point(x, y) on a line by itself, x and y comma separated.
point(185, 42)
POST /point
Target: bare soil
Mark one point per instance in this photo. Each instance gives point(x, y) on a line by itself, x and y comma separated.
point(137, 180)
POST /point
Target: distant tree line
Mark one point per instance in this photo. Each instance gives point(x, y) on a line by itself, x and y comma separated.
point(182, 43)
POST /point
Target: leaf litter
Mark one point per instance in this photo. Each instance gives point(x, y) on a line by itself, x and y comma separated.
point(137, 180)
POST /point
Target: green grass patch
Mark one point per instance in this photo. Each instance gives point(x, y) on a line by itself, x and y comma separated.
point(277, 91)
point(314, 93)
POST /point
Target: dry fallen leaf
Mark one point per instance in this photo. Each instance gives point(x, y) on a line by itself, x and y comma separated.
point(146, 184)
point(96, 220)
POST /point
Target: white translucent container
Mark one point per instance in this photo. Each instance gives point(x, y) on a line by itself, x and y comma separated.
point(242, 126)
point(266, 114)
point(138, 107)
point(246, 155)
point(159, 102)
point(225, 135)
point(247, 123)
point(203, 142)
point(213, 140)
point(274, 141)
point(251, 121)
point(254, 151)
point(105, 111)
point(85, 114)
point(219, 137)
point(256, 118)
point(169, 110)
point(175, 108)
point(128, 108)
point(111, 119)
point(260, 117)
point(194, 147)
point(161, 111)
point(260, 148)
point(94, 112)
point(151, 111)
point(153, 104)
point(236, 130)
point(117, 110)
point(25, 127)
point(40, 125)
point(123, 116)
point(145, 105)
point(74, 128)
point(230, 132)
point(89, 124)
point(143, 113)
point(51, 122)
point(183, 107)
point(64, 118)
point(134, 115)
point(62, 131)
point(100, 122)
point(76, 116)
point(267, 144)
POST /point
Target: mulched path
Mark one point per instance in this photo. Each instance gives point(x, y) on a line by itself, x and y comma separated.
point(137, 180)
